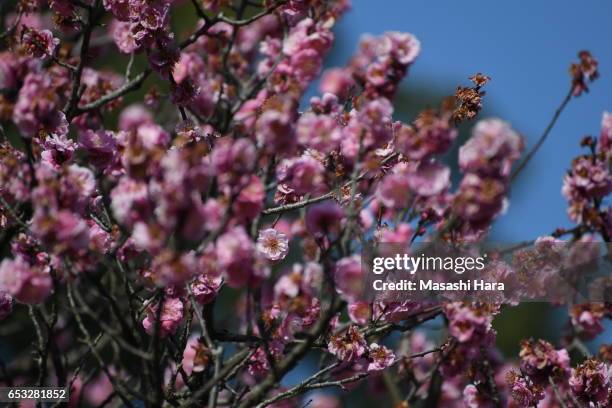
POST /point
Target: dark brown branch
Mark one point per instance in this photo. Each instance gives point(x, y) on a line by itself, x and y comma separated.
point(71, 105)
point(291, 359)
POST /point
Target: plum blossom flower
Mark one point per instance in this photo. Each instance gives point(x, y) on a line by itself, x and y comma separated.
point(38, 107)
point(81, 180)
point(605, 138)
point(119, 8)
point(587, 318)
point(539, 359)
point(127, 198)
point(133, 116)
point(274, 131)
point(166, 53)
point(348, 346)
point(232, 158)
point(478, 199)
point(250, 200)
point(236, 256)
point(590, 382)
point(152, 136)
point(174, 268)
point(100, 240)
point(320, 132)
point(337, 81)
point(587, 178)
point(474, 399)
point(394, 190)
point(206, 287)
point(429, 179)
point(124, 37)
point(100, 146)
point(583, 72)
point(430, 134)
point(359, 312)
point(303, 175)
point(469, 323)
point(383, 61)
point(349, 277)
point(588, 181)
point(324, 218)
point(59, 149)
point(64, 230)
point(272, 244)
point(258, 364)
point(492, 149)
point(185, 92)
point(404, 47)
point(27, 283)
point(402, 234)
point(379, 357)
point(196, 356)
point(523, 392)
point(170, 317)
point(288, 285)
point(394, 311)
point(39, 43)
point(64, 15)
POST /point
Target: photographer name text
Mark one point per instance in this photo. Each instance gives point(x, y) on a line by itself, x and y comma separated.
point(431, 285)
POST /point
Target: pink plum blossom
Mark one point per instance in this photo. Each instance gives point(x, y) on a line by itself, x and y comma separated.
point(272, 244)
point(591, 384)
point(324, 218)
point(170, 317)
point(348, 346)
point(379, 357)
point(26, 283)
point(429, 179)
point(349, 277)
point(39, 43)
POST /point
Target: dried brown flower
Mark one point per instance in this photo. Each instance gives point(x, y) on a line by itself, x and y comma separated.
point(479, 79)
point(583, 72)
point(468, 100)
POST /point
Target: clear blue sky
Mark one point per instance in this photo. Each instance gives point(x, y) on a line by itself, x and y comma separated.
point(526, 47)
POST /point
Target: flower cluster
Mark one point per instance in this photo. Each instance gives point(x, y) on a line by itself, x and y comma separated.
point(588, 181)
point(351, 348)
point(486, 159)
point(471, 327)
point(583, 72)
point(591, 383)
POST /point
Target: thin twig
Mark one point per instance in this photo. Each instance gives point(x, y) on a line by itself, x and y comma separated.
point(128, 87)
point(539, 143)
point(306, 202)
point(556, 392)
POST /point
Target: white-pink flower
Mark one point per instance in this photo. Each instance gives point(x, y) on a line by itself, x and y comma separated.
point(272, 244)
point(380, 357)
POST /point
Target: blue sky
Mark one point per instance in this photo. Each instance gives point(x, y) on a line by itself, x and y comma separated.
point(526, 49)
